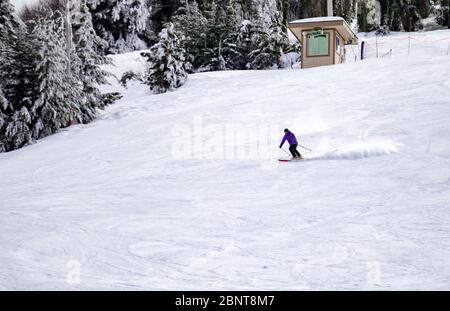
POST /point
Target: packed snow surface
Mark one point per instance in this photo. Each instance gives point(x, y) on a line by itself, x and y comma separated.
point(183, 190)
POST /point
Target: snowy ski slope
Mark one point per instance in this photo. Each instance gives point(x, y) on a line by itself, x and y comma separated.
point(183, 191)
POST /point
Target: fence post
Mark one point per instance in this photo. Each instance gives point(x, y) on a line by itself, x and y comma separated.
point(362, 49)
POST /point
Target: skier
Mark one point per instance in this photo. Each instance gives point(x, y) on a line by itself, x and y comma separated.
point(290, 137)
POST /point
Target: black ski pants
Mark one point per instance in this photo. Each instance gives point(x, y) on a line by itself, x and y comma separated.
point(294, 152)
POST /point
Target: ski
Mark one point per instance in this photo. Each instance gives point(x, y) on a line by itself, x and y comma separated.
point(290, 160)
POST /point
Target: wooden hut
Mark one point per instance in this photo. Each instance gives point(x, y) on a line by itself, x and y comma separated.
point(323, 40)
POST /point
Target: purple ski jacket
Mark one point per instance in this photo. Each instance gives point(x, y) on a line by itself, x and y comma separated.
point(290, 137)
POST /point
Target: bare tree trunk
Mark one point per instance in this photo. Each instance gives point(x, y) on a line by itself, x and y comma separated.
point(329, 7)
point(220, 45)
point(68, 25)
point(318, 8)
point(286, 14)
point(448, 14)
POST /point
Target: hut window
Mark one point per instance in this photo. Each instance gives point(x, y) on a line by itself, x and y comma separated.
point(318, 45)
point(338, 45)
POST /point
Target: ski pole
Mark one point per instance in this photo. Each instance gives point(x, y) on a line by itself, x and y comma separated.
point(305, 148)
point(286, 152)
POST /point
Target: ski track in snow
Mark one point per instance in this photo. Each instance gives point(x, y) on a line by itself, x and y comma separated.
point(369, 211)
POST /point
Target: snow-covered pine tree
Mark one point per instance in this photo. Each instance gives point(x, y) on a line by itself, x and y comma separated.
point(4, 107)
point(442, 11)
point(227, 20)
point(265, 9)
point(9, 22)
point(424, 7)
point(18, 132)
point(165, 63)
point(223, 23)
point(208, 53)
point(367, 15)
point(239, 45)
point(312, 8)
point(58, 93)
point(87, 64)
point(162, 11)
point(34, 81)
point(411, 12)
point(190, 23)
point(345, 9)
point(18, 79)
point(395, 14)
point(121, 23)
point(38, 95)
point(8, 26)
point(247, 42)
point(273, 43)
point(385, 12)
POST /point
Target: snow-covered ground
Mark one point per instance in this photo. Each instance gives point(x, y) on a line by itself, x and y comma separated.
point(160, 192)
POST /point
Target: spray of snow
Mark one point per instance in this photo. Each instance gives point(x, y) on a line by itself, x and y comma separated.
point(359, 150)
